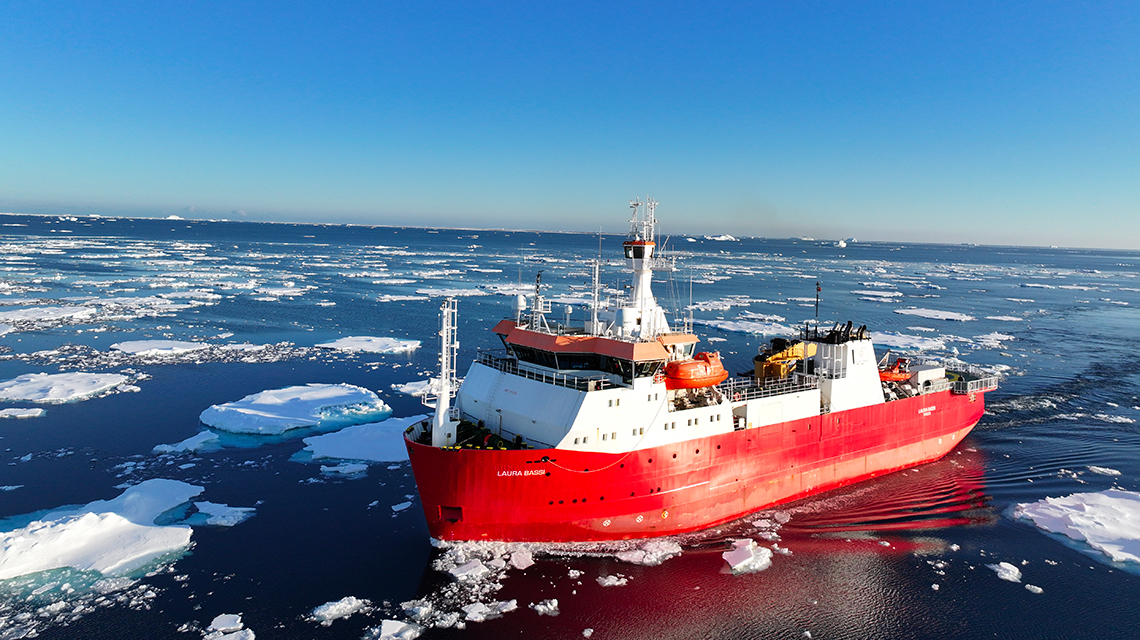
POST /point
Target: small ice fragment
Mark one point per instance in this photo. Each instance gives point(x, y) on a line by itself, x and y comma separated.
point(1104, 471)
point(401, 506)
point(613, 581)
point(222, 515)
point(346, 469)
point(470, 571)
point(343, 608)
point(652, 553)
point(547, 607)
point(476, 612)
point(587, 632)
point(747, 557)
point(521, 559)
point(934, 586)
point(1032, 588)
point(21, 413)
point(574, 574)
point(1006, 571)
point(954, 547)
point(395, 630)
point(193, 443)
point(226, 623)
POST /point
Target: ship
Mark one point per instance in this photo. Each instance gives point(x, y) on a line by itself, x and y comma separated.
point(619, 428)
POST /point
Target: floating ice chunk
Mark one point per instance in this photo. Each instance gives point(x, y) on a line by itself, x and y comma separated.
point(370, 344)
point(21, 413)
point(993, 340)
point(1106, 520)
point(587, 632)
point(5, 328)
point(1104, 471)
point(935, 314)
point(226, 623)
point(103, 542)
point(616, 580)
point(548, 607)
point(1006, 571)
point(724, 237)
point(401, 506)
point(1006, 318)
point(346, 469)
point(747, 557)
point(41, 314)
point(1032, 588)
point(373, 442)
point(10, 487)
point(521, 559)
point(749, 326)
point(276, 411)
point(58, 387)
point(158, 347)
point(394, 630)
point(652, 553)
point(343, 608)
point(221, 515)
point(470, 571)
point(417, 388)
point(451, 293)
point(202, 440)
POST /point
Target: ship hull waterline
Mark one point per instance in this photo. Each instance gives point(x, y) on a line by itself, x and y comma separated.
point(556, 495)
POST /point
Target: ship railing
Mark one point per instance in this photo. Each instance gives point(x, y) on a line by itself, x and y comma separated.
point(988, 383)
point(934, 386)
point(509, 365)
point(747, 389)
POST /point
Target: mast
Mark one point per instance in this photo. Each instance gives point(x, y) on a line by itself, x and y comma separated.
point(442, 426)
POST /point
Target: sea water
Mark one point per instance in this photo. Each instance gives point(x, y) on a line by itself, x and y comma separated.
point(234, 309)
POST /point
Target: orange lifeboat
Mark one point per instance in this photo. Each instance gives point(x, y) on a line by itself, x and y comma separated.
point(704, 370)
point(898, 372)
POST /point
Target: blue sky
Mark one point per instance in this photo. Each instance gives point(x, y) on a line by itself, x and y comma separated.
point(997, 123)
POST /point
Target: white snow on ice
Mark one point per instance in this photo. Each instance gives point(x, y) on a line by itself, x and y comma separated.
point(276, 411)
point(21, 413)
point(373, 442)
point(1108, 521)
point(1006, 571)
point(343, 608)
point(58, 387)
point(158, 347)
point(934, 314)
point(372, 344)
point(113, 537)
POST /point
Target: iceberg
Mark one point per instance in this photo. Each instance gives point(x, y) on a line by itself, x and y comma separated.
point(279, 410)
point(370, 344)
point(57, 388)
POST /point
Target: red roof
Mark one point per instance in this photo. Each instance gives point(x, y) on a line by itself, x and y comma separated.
point(638, 351)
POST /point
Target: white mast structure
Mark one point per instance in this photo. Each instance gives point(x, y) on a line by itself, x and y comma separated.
point(641, 317)
point(443, 427)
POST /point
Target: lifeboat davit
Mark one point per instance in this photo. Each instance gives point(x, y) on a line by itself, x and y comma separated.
point(704, 370)
point(898, 372)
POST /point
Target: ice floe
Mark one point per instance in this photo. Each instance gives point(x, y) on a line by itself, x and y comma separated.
point(372, 442)
point(16, 412)
point(1108, 521)
point(934, 314)
point(345, 469)
point(202, 440)
point(112, 537)
point(897, 340)
point(394, 630)
point(416, 388)
point(158, 347)
point(58, 387)
point(220, 515)
point(276, 411)
point(747, 557)
point(1104, 471)
point(228, 626)
point(1006, 571)
point(326, 613)
point(372, 344)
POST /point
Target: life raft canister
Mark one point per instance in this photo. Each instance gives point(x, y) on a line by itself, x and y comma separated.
point(704, 370)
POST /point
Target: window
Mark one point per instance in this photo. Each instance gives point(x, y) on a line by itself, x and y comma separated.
point(689, 423)
point(635, 432)
point(617, 402)
point(585, 439)
point(603, 437)
point(575, 440)
point(641, 431)
point(613, 436)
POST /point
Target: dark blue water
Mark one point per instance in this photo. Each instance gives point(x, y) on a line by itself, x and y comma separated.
point(863, 561)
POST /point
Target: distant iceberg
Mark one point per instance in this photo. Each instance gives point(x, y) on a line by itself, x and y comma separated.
point(279, 410)
point(724, 237)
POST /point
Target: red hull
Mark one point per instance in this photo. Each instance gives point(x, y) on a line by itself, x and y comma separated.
point(555, 495)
